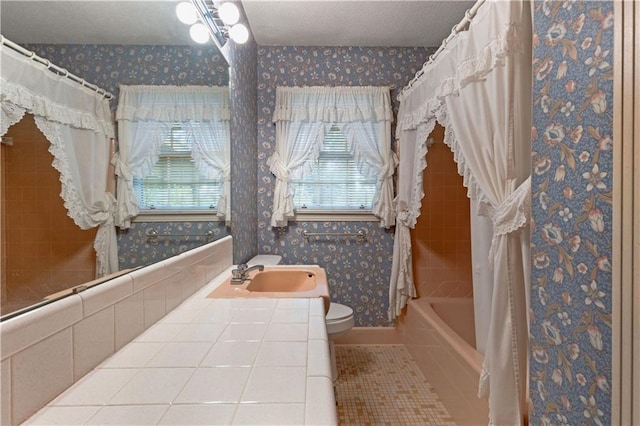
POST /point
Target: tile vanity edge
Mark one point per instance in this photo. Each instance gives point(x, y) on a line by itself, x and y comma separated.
point(52, 341)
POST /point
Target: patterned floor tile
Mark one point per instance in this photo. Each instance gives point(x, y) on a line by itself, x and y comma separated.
point(382, 385)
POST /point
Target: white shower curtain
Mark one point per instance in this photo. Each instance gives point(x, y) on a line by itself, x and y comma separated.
point(479, 89)
point(77, 122)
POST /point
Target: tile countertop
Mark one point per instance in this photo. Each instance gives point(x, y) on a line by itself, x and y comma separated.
point(212, 361)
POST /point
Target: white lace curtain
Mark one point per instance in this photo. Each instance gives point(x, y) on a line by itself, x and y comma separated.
point(145, 117)
point(479, 89)
point(77, 122)
point(304, 114)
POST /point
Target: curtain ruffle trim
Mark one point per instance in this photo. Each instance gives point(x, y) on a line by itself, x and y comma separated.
point(174, 114)
point(43, 107)
point(332, 115)
point(69, 192)
point(10, 115)
point(469, 71)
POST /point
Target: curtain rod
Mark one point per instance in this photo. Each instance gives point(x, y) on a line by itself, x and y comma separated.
point(468, 17)
point(61, 71)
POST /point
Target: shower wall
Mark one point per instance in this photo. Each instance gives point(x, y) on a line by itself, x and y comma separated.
point(441, 240)
point(45, 251)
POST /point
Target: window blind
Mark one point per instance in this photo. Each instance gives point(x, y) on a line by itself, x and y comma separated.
point(335, 183)
point(175, 183)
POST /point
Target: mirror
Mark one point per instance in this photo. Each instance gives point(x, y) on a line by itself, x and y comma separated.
point(105, 43)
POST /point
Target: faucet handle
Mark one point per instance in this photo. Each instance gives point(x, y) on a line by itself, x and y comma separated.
point(243, 267)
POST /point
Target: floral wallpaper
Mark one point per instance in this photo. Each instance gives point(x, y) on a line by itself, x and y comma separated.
point(108, 66)
point(244, 150)
point(358, 274)
point(570, 363)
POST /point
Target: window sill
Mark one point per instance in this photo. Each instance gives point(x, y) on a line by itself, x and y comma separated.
point(335, 216)
point(178, 216)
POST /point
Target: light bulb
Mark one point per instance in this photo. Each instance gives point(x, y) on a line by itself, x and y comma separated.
point(239, 33)
point(199, 33)
point(187, 13)
point(229, 13)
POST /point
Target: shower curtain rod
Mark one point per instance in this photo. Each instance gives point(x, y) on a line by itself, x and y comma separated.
point(58, 70)
point(468, 17)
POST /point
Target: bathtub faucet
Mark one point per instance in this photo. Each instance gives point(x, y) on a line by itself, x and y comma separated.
point(241, 274)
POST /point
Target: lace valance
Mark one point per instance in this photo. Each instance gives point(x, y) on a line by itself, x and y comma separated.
point(173, 103)
point(333, 104)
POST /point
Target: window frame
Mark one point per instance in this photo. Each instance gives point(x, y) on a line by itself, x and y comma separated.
point(335, 213)
point(176, 214)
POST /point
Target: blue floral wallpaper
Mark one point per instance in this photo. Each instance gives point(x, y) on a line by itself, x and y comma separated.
point(358, 273)
point(244, 150)
point(108, 66)
point(570, 363)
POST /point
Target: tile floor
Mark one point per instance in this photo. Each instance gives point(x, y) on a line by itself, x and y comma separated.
point(382, 385)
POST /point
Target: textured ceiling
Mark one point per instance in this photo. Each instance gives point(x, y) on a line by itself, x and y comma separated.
point(353, 22)
point(284, 22)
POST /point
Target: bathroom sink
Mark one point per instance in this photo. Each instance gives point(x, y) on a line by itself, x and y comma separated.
point(282, 281)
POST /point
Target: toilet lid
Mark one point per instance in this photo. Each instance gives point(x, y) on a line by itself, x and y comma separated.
point(338, 312)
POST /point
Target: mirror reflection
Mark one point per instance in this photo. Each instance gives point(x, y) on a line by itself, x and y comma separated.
point(182, 198)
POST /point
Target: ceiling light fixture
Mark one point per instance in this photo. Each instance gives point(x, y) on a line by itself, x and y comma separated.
point(187, 13)
point(229, 13)
point(220, 20)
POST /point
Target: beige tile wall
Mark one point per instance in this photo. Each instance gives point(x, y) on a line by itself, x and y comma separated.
point(46, 350)
point(441, 239)
point(48, 251)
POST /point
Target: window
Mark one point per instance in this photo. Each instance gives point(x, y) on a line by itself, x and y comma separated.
point(335, 182)
point(174, 182)
point(333, 157)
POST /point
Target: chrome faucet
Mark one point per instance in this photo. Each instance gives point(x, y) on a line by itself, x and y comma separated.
point(241, 274)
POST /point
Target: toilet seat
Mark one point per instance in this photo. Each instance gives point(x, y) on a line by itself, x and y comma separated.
point(339, 319)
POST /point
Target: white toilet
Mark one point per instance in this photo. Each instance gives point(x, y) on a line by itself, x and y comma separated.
point(339, 321)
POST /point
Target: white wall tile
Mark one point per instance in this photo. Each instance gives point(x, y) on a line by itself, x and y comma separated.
point(99, 297)
point(174, 285)
point(282, 354)
point(41, 372)
point(269, 414)
point(96, 388)
point(151, 274)
point(62, 416)
point(185, 354)
point(93, 341)
point(134, 355)
point(154, 301)
point(200, 333)
point(24, 330)
point(5, 391)
point(320, 407)
point(129, 319)
point(153, 386)
point(317, 328)
point(286, 332)
point(231, 354)
point(298, 304)
point(318, 358)
point(210, 414)
point(275, 384)
point(128, 415)
point(217, 384)
point(161, 333)
point(246, 332)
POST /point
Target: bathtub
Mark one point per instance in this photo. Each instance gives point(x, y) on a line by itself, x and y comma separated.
point(439, 333)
